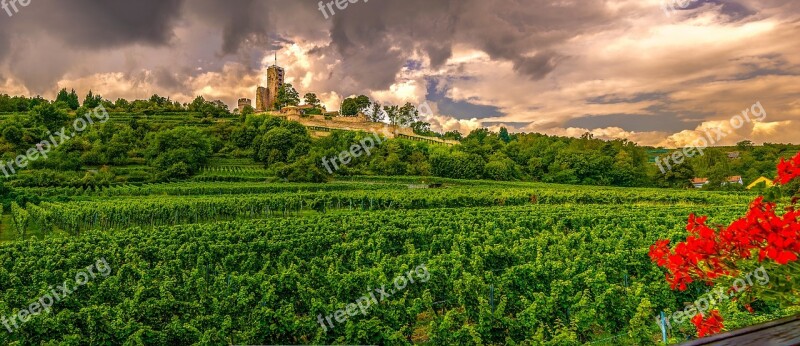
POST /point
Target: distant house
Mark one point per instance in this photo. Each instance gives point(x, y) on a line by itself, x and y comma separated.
point(700, 182)
point(733, 155)
point(736, 179)
point(767, 182)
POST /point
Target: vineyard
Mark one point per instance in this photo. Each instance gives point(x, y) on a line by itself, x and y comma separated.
point(257, 263)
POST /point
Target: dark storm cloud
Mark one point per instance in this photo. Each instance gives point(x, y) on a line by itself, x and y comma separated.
point(169, 80)
point(734, 10)
point(634, 122)
point(612, 99)
point(242, 21)
point(46, 38)
point(459, 109)
point(525, 33)
point(100, 24)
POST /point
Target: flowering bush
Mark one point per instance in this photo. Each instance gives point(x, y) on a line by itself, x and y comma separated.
point(715, 254)
point(708, 326)
point(788, 170)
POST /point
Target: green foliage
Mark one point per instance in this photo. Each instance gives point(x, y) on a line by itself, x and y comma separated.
point(49, 116)
point(561, 274)
point(13, 134)
point(351, 106)
point(287, 96)
point(211, 109)
point(276, 145)
point(312, 100)
point(92, 101)
point(500, 167)
point(375, 112)
point(19, 103)
point(457, 165)
point(70, 99)
point(305, 170)
point(179, 151)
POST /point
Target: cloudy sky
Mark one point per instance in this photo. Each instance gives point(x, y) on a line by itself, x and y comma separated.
point(616, 68)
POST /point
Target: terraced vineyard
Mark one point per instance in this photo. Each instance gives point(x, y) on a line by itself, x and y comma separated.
point(258, 263)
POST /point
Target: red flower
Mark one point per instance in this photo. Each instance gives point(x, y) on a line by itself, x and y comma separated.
point(709, 253)
point(788, 170)
point(711, 325)
point(749, 308)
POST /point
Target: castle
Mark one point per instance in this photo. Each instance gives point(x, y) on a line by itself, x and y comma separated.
point(323, 125)
point(265, 97)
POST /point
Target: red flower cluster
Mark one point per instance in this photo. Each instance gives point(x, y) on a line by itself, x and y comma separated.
point(788, 170)
point(707, 253)
point(711, 325)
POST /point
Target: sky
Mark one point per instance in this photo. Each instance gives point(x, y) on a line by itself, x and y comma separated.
point(655, 72)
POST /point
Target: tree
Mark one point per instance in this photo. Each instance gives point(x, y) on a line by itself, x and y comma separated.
point(197, 104)
point(63, 96)
point(351, 106)
point(500, 167)
point(422, 128)
point(392, 113)
point(50, 116)
point(122, 104)
point(680, 176)
point(13, 134)
point(287, 96)
point(312, 100)
point(504, 136)
point(453, 135)
point(213, 109)
point(375, 113)
point(458, 165)
point(407, 114)
point(363, 103)
point(745, 145)
point(282, 144)
point(305, 170)
point(92, 101)
point(246, 111)
point(159, 101)
point(179, 149)
point(73, 101)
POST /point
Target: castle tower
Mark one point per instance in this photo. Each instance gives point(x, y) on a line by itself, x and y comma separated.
point(262, 97)
point(275, 75)
point(244, 102)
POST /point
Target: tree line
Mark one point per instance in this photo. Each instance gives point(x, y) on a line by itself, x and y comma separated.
point(141, 149)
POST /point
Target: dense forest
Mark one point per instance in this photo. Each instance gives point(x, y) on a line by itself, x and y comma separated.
point(158, 140)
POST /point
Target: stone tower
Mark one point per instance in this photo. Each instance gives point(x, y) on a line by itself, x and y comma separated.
point(262, 99)
point(275, 76)
point(265, 97)
point(244, 102)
